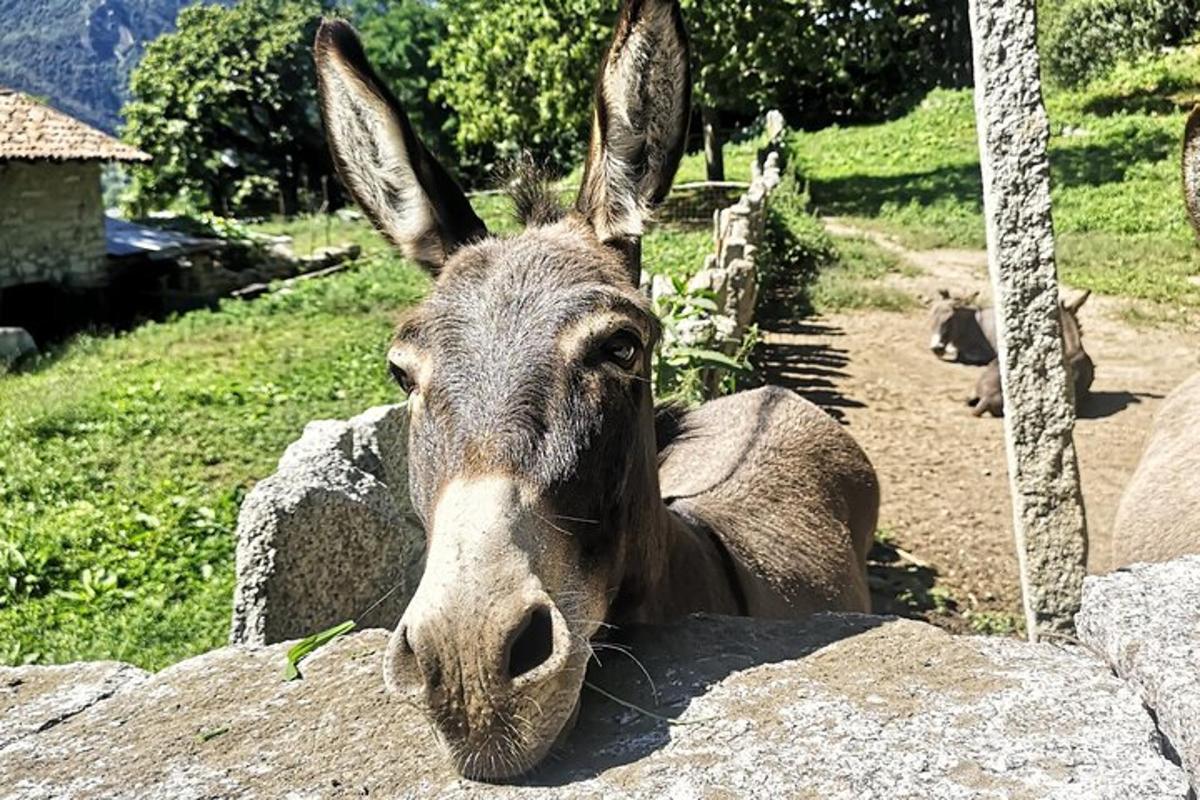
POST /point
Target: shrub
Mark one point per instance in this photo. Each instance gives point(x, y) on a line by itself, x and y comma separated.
point(1084, 39)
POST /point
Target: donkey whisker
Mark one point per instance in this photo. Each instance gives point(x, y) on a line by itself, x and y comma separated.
point(625, 651)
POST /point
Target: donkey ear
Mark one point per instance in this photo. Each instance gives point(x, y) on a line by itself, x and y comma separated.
point(1078, 302)
point(643, 102)
point(401, 187)
point(1191, 168)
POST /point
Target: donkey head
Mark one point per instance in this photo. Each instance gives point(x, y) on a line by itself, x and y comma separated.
point(532, 461)
point(949, 318)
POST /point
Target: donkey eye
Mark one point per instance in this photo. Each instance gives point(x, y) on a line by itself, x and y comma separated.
point(622, 349)
point(401, 377)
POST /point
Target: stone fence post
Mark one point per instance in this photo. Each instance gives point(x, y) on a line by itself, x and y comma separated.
point(1048, 515)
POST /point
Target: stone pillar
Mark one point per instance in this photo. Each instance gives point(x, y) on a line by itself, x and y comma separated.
point(1048, 515)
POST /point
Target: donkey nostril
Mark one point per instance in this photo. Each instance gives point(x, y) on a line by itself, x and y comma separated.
point(404, 645)
point(533, 643)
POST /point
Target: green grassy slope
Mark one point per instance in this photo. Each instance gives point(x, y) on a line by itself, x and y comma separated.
point(1115, 178)
point(123, 460)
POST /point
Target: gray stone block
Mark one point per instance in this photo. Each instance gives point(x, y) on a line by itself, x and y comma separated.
point(331, 535)
point(15, 344)
point(35, 699)
point(1145, 621)
point(839, 706)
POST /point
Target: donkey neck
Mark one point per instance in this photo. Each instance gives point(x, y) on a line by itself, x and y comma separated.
point(697, 572)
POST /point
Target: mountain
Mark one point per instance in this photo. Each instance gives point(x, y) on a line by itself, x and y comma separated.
point(77, 54)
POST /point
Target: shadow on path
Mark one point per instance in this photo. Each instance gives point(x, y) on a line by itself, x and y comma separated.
point(1098, 405)
point(813, 369)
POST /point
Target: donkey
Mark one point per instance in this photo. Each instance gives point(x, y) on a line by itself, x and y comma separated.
point(989, 397)
point(555, 503)
point(958, 326)
point(1159, 515)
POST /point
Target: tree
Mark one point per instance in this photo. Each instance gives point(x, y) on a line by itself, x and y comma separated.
point(399, 37)
point(820, 61)
point(227, 107)
point(519, 75)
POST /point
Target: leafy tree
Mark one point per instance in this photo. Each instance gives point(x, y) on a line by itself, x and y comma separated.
point(1084, 39)
point(519, 75)
point(399, 37)
point(820, 61)
point(519, 72)
point(227, 106)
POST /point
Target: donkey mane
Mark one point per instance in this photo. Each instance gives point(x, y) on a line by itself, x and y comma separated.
point(532, 189)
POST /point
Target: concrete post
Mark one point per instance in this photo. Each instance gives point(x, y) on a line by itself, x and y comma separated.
point(1048, 515)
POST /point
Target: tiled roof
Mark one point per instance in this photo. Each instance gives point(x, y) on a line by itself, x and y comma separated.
point(31, 131)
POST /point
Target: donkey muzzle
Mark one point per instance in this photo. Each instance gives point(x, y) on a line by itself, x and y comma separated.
point(483, 647)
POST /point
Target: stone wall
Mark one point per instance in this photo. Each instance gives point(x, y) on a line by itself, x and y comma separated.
point(730, 272)
point(51, 223)
point(839, 707)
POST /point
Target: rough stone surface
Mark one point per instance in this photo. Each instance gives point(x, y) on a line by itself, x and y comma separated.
point(51, 223)
point(331, 535)
point(36, 699)
point(15, 344)
point(840, 706)
point(1048, 515)
point(1145, 620)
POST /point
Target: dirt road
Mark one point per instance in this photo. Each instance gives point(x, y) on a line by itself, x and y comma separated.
point(945, 485)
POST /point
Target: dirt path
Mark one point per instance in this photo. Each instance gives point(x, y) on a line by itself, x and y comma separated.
point(943, 472)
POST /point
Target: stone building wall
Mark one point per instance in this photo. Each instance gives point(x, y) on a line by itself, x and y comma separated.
point(51, 223)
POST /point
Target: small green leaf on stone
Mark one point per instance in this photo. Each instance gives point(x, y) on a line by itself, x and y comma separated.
point(301, 649)
point(205, 736)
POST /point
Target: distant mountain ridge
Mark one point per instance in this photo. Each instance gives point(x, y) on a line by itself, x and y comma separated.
point(77, 54)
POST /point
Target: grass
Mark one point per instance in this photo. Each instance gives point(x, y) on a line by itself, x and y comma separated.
point(806, 271)
point(856, 280)
point(124, 458)
point(1114, 155)
point(123, 461)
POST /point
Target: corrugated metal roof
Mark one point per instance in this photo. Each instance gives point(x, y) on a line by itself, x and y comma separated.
point(30, 131)
point(124, 238)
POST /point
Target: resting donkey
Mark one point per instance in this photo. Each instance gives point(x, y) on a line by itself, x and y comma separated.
point(962, 329)
point(989, 397)
point(554, 503)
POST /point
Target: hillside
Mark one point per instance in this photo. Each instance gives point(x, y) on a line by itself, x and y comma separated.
point(78, 55)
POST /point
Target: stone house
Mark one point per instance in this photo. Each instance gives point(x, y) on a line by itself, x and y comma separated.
point(51, 213)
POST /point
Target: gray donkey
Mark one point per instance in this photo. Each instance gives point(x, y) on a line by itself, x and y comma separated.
point(989, 397)
point(1159, 515)
point(555, 503)
point(962, 329)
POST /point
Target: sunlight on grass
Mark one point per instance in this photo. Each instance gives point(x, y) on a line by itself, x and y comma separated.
point(1114, 168)
point(123, 460)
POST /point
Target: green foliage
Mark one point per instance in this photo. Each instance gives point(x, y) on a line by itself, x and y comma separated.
point(823, 61)
point(1083, 39)
point(687, 374)
point(399, 37)
point(306, 646)
point(225, 103)
point(519, 75)
point(1114, 153)
point(124, 459)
